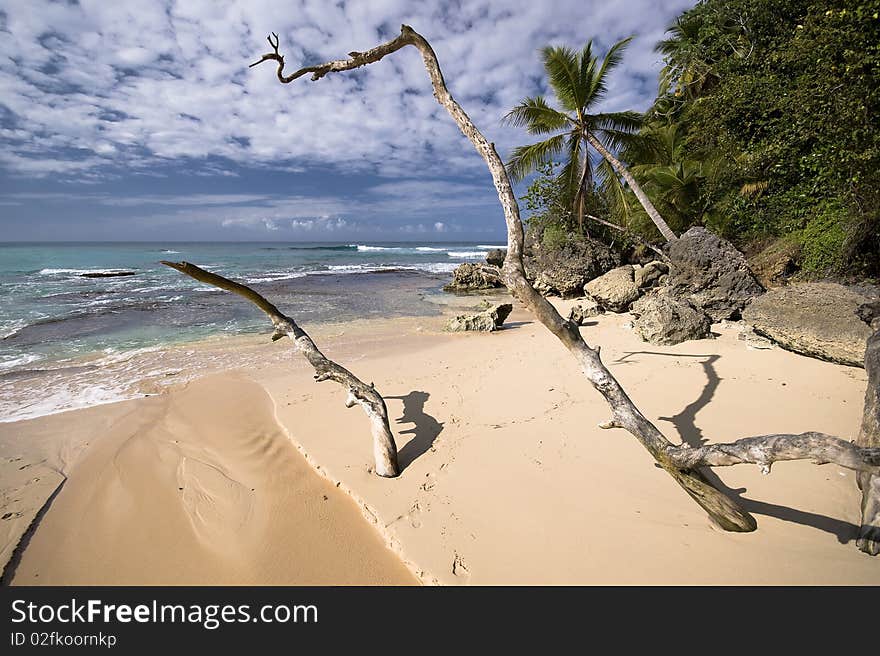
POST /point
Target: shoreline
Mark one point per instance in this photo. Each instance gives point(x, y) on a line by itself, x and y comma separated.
point(507, 489)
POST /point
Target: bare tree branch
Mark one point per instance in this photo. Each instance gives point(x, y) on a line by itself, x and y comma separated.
point(764, 450)
point(681, 463)
point(384, 448)
point(631, 235)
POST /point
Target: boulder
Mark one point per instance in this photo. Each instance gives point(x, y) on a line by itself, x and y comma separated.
point(564, 271)
point(663, 319)
point(817, 319)
point(471, 276)
point(649, 275)
point(495, 257)
point(774, 265)
point(711, 273)
point(585, 309)
point(616, 290)
point(488, 320)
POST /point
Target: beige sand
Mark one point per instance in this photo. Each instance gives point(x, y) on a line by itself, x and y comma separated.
point(507, 479)
point(201, 486)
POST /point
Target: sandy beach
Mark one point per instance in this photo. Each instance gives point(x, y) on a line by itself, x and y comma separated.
point(258, 475)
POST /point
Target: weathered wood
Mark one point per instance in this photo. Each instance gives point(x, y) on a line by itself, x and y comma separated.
point(723, 510)
point(764, 450)
point(869, 437)
point(359, 393)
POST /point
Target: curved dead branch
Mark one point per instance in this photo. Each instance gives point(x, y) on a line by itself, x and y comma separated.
point(384, 448)
point(679, 462)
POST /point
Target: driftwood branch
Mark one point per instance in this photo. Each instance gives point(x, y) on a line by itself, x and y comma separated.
point(869, 436)
point(681, 463)
point(764, 450)
point(359, 393)
point(629, 233)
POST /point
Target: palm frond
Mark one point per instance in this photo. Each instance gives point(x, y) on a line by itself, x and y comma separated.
point(627, 121)
point(536, 116)
point(612, 58)
point(561, 65)
point(526, 159)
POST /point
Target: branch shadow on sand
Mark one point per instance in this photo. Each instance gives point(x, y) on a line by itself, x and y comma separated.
point(425, 430)
point(692, 435)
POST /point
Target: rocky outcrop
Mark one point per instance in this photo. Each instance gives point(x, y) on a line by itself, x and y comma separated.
point(649, 275)
point(488, 320)
point(473, 276)
point(564, 271)
point(616, 290)
point(774, 265)
point(584, 310)
point(815, 319)
point(496, 256)
point(711, 273)
point(663, 319)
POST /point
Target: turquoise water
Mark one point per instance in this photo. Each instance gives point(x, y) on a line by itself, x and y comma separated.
point(53, 315)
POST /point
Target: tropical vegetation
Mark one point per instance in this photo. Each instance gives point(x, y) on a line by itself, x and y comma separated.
point(764, 129)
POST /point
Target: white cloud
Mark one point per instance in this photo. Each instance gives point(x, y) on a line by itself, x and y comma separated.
point(125, 84)
point(439, 226)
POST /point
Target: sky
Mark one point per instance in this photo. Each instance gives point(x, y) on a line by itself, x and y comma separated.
point(140, 119)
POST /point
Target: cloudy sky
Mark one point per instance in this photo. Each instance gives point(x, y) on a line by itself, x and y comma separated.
point(139, 119)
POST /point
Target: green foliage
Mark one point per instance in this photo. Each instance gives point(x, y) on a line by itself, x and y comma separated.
point(823, 239)
point(784, 96)
point(554, 237)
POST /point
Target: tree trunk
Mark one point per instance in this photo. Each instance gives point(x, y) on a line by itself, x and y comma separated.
point(869, 436)
point(359, 393)
point(680, 462)
point(664, 229)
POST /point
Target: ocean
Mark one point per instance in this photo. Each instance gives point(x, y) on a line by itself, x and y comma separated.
point(70, 334)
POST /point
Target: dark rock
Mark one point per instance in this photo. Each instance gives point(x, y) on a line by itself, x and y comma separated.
point(711, 273)
point(584, 310)
point(488, 320)
point(616, 290)
point(471, 276)
point(661, 318)
point(564, 271)
point(817, 319)
point(107, 274)
point(870, 314)
point(495, 257)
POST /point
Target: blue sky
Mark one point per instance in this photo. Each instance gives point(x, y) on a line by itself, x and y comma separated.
point(139, 119)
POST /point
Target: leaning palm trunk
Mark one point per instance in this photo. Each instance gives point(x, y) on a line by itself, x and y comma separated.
point(664, 229)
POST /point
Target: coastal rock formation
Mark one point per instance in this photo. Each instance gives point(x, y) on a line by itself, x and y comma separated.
point(588, 307)
point(616, 290)
point(815, 319)
point(774, 265)
point(649, 275)
point(666, 320)
point(711, 273)
point(564, 271)
point(471, 276)
point(495, 257)
point(488, 320)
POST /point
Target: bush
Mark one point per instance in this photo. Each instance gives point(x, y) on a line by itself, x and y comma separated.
point(823, 239)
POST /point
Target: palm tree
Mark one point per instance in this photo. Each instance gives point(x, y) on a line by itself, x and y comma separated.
point(579, 83)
